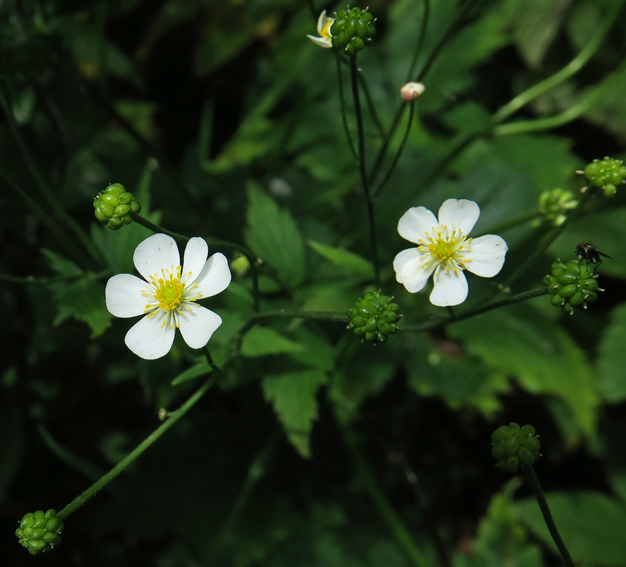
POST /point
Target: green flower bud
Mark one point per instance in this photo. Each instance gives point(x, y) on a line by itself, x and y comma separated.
point(573, 284)
point(115, 206)
point(554, 205)
point(39, 531)
point(352, 30)
point(374, 317)
point(512, 444)
point(606, 174)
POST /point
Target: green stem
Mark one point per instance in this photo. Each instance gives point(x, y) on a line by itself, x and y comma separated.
point(342, 104)
point(364, 179)
point(399, 152)
point(130, 458)
point(389, 515)
point(210, 361)
point(517, 221)
point(523, 126)
point(551, 236)
point(212, 242)
point(45, 190)
point(420, 40)
point(533, 481)
point(566, 72)
point(444, 321)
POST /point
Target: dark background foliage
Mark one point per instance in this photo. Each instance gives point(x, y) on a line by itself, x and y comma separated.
point(224, 121)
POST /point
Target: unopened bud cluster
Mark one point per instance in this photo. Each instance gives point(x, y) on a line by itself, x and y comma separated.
point(573, 284)
point(606, 174)
point(554, 205)
point(352, 30)
point(512, 445)
point(115, 206)
point(39, 531)
point(374, 317)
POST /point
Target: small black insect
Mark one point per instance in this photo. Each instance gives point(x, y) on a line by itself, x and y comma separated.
point(590, 253)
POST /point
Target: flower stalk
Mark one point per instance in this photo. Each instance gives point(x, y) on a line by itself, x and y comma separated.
point(131, 457)
point(533, 481)
point(362, 170)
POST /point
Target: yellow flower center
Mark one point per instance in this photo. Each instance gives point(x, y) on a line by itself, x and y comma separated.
point(325, 31)
point(168, 290)
point(445, 247)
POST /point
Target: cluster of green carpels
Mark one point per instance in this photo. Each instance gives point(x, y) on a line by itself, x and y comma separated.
point(352, 30)
point(374, 317)
point(606, 174)
point(512, 445)
point(115, 206)
point(39, 531)
point(573, 284)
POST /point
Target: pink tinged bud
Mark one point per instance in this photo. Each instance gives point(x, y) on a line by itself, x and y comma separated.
point(412, 91)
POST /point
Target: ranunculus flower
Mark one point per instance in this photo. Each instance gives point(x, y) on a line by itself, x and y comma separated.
point(323, 29)
point(168, 295)
point(445, 250)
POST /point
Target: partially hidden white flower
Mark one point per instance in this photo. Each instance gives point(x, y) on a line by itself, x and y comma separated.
point(444, 249)
point(168, 295)
point(323, 29)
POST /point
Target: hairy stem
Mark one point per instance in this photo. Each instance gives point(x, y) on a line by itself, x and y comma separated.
point(131, 457)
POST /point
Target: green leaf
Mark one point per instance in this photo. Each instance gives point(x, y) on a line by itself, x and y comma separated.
point(60, 264)
point(612, 358)
point(501, 539)
point(273, 235)
point(536, 24)
point(293, 397)
point(367, 375)
point(84, 301)
point(10, 444)
point(261, 341)
point(460, 381)
point(351, 263)
point(592, 525)
point(520, 342)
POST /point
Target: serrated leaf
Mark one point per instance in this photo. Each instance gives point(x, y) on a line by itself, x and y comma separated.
point(84, 301)
point(612, 358)
point(592, 525)
point(273, 235)
point(522, 343)
point(262, 341)
point(60, 264)
point(293, 397)
point(351, 263)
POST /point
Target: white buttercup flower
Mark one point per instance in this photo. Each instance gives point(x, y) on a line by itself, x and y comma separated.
point(168, 295)
point(443, 248)
point(323, 29)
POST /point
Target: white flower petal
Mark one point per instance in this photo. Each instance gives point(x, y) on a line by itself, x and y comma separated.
point(486, 256)
point(149, 338)
point(415, 223)
point(196, 253)
point(461, 213)
point(410, 272)
point(214, 278)
point(197, 325)
point(124, 297)
point(156, 253)
point(321, 41)
point(322, 21)
point(450, 288)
